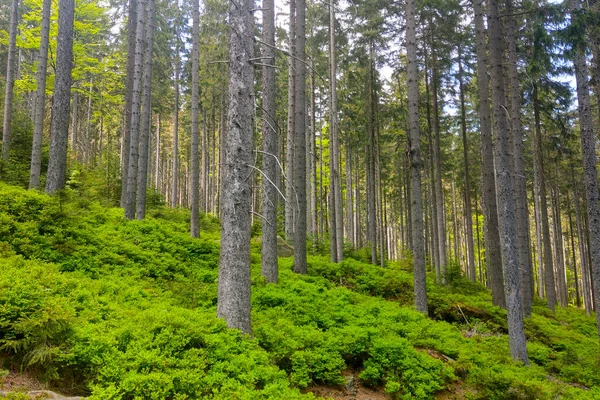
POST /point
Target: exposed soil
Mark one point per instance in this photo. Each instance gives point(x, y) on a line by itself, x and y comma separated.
point(25, 383)
point(353, 390)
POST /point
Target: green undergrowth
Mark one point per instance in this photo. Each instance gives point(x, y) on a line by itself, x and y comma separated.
point(121, 309)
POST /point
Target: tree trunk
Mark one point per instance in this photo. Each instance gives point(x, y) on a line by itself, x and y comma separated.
point(437, 181)
point(588, 148)
point(270, 144)
point(573, 254)
point(488, 181)
point(146, 124)
point(291, 204)
point(468, 218)
point(503, 161)
point(59, 131)
point(337, 237)
point(195, 136)
point(370, 162)
point(234, 271)
point(420, 290)
point(175, 178)
point(131, 43)
point(520, 189)
point(40, 99)
point(561, 283)
point(300, 141)
point(547, 249)
point(133, 159)
point(10, 81)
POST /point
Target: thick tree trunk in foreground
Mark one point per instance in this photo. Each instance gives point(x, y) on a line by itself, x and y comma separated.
point(503, 161)
point(291, 204)
point(300, 141)
point(59, 131)
point(269, 267)
point(146, 124)
point(234, 270)
point(588, 148)
point(175, 175)
point(415, 160)
point(520, 190)
point(10, 81)
point(488, 180)
point(40, 100)
point(131, 32)
point(134, 150)
point(195, 197)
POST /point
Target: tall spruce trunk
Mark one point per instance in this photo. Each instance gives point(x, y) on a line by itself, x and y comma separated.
point(233, 302)
point(10, 81)
point(134, 150)
point(467, 206)
point(520, 189)
point(195, 134)
point(337, 254)
point(40, 99)
point(437, 181)
point(59, 130)
point(270, 144)
point(488, 180)
point(561, 279)
point(588, 149)
point(131, 42)
point(414, 153)
point(300, 141)
point(146, 123)
point(291, 204)
point(503, 161)
point(549, 282)
point(175, 168)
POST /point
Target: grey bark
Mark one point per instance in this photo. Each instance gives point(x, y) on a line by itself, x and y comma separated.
point(300, 141)
point(468, 214)
point(133, 159)
point(40, 99)
point(10, 81)
point(88, 139)
point(488, 180)
point(131, 43)
point(503, 160)
point(416, 213)
point(370, 162)
point(561, 282)
point(234, 271)
point(290, 206)
point(573, 254)
point(588, 148)
point(549, 280)
point(175, 176)
point(146, 124)
point(75, 119)
point(520, 189)
point(195, 178)
point(59, 131)
point(437, 179)
point(585, 275)
point(269, 268)
point(335, 145)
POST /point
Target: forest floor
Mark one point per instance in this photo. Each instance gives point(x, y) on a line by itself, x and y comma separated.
point(127, 309)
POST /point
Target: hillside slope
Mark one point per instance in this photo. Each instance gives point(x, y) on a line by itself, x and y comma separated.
point(118, 309)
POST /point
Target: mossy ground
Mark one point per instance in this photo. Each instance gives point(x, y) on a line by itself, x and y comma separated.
point(118, 309)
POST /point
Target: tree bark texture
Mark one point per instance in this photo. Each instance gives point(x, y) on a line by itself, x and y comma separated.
point(269, 268)
point(291, 204)
point(488, 180)
point(503, 161)
point(136, 101)
point(416, 213)
point(234, 271)
point(520, 189)
point(588, 148)
point(59, 131)
point(300, 141)
point(146, 123)
point(40, 99)
point(10, 81)
point(195, 136)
